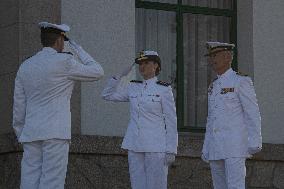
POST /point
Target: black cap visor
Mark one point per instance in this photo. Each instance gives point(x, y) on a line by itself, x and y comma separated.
point(56, 31)
point(147, 58)
point(217, 51)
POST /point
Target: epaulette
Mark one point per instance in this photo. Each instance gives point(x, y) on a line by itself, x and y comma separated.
point(214, 79)
point(27, 58)
point(66, 53)
point(241, 74)
point(136, 81)
point(163, 83)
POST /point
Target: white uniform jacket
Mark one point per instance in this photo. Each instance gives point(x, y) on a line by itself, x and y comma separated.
point(233, 122)
point(43, 88)
point(153, 122)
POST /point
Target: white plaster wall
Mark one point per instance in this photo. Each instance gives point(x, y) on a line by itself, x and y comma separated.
point(245, 37)
point(268, 56)
point(106, 29)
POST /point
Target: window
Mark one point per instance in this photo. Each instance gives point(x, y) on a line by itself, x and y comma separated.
point(178, 30)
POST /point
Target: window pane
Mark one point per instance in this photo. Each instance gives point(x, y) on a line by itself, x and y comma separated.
point(221, 4)
point(156, 30)
point(163, 1)
point(197, 74)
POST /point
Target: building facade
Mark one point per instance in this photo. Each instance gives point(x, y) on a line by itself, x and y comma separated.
point(113, 32)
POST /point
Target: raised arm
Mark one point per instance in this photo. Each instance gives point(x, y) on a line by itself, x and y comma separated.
point(112, 91)
point(88, 70)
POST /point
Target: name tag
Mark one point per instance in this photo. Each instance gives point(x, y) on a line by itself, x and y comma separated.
point(227, 90)
point(156, 95)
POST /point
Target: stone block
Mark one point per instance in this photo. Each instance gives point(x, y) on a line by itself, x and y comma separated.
point(31, 12)
point(99, 162)
point(83, 171)
point(189, 145)
point(96, 144)
point(189, 173)
point(9, 37)
point(262, 174)
point(115, 172)
point(76, 109)
point(9, 13)
point(270, 152)
point(9, 143)
point(34, 11)
point(97, 172)
point(29, 42)
point(10, 171)
point(6, 102)
point(278, 180)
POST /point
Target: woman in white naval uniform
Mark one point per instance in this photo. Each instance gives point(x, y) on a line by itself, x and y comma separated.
point(151, 137)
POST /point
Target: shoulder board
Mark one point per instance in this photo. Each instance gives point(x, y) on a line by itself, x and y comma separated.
point(136, 81)
point(163, 83)
point(241, 74)
point(27, 58)
point(66, 53)
point(214, 79)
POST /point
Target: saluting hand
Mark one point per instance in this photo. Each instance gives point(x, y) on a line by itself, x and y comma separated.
point(74, 45)
point(125, 72)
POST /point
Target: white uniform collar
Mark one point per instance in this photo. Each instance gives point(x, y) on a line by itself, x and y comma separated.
point(49, 49)
point(227, 73)
point(150, 81)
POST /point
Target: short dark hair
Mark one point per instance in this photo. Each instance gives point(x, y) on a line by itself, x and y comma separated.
point(48, 38)
point(157, 60)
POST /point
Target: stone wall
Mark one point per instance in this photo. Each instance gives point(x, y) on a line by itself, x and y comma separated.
point(98, 162)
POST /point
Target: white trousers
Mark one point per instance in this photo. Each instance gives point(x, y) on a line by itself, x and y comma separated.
point(147, 170)
point(44, 164)
point(229, 173)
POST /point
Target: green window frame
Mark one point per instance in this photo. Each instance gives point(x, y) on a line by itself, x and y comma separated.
point(180, 9)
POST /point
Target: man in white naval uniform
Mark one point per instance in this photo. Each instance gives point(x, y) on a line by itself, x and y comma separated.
point(233, 130)
point(151, 137)
point(41, 112)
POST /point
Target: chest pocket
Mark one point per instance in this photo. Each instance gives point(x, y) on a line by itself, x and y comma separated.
point(231, 100)
point(152, 98)
point(133, 98)
point(152, 103)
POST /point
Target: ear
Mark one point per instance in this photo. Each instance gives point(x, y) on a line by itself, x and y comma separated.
point(156, 65)
point(57, 41)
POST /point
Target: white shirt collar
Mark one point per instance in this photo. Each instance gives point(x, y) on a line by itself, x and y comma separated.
point(150, 81)
point(49, 49)
point(227, 73)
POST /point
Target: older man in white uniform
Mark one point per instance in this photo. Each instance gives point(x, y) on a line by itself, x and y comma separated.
point(41, 117)
point(233, 130)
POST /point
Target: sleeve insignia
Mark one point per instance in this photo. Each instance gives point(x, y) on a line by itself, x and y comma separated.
point(163, 83)
point(136, 81)
point(66, 53)
point(27, 58)
point(242, 74)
